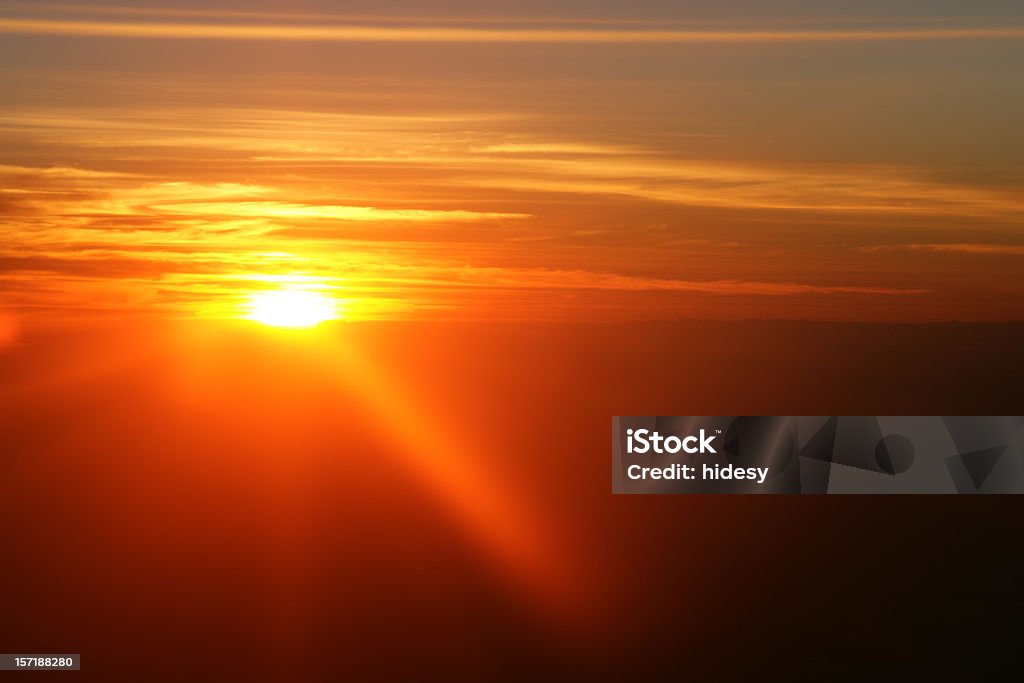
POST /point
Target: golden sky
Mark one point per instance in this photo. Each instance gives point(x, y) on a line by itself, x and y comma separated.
point(528, 161)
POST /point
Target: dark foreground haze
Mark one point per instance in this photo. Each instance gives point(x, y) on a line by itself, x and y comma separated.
point(374, 501)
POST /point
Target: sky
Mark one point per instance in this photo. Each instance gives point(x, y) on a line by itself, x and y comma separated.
point(518, 161)
point(468, 173)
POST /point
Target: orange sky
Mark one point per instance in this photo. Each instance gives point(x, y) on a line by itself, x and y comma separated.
point(438, 480)
point(566, 162)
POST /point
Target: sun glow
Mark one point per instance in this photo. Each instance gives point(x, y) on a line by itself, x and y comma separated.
point(294, 308)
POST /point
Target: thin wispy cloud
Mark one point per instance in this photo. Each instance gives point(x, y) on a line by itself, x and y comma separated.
point(562, 279)
point(489, 35)
point(459, 151)
point(955, 248)
point(74, 11)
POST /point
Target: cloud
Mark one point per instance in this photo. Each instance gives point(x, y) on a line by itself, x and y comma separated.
point(293, 211)
point(583, 280)
point(488, 35)
point(154, 203)
point(178, 210)
point(847, 188)
point(956, 248)
point(494, 151)
point(59, 172)
point(568, 148)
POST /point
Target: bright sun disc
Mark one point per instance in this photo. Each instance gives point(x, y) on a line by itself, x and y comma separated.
point(292, 308)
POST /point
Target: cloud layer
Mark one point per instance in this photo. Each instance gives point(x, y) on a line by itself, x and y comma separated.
point(510, 167)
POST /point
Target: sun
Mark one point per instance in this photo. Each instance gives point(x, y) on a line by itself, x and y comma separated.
point(294, 308)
